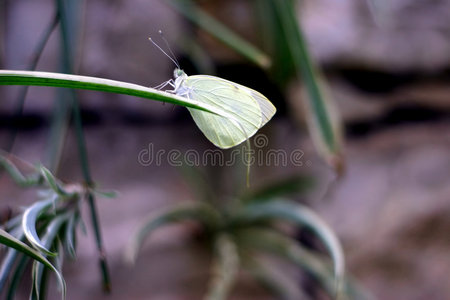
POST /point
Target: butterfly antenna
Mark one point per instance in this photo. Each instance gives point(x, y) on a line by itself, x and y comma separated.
point(168, 47)
point(157, 46)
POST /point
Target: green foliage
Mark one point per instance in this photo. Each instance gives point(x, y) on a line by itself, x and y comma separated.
point(47, 225)
point(47, 228)
point(246, 228)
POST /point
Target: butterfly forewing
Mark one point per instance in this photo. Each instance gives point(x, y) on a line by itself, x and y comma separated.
point(225, 95)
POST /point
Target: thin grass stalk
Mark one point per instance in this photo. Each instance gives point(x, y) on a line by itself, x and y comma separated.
point(37, 52)
point(221, 32)
point(82, 149)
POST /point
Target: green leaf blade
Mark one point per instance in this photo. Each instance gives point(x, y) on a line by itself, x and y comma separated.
point(323, 120)
point(303, 216)
point(10, 241)
point(200, 212)
point(29, 220)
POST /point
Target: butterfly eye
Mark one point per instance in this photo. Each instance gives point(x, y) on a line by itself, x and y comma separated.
point(177, 73)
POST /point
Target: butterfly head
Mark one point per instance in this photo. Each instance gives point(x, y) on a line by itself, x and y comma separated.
point(178, 73)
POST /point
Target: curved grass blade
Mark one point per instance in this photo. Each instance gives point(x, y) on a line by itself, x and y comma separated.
point(292, 185)
point(323, 120)
point(12, 77)
point(38, 291)
point(8, 260)
point(200, 212)
point(52, 182)
point(52, 230)
point(15, 174)
point(16, 277)
point(7, 263)
point(225, 268)
point(221, 32)
point(273, 242)
point(303, 216)
point(29, 220)
point(10, 241)
point(69, 235)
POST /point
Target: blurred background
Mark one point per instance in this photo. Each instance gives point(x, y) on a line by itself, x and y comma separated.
point(387, 69)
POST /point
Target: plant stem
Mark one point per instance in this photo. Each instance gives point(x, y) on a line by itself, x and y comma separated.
point(68, 44)
point(31, 66)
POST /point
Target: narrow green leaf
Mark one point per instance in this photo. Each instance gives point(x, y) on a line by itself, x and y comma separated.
point(10, 241)
point(17, 276)
point(69, 236)
point(323, 120)
point(39, 282)
point(29, 220)
point(9, 259)
point(225, 268)
point(52, 182)
point(15, 174)
point(52, 230)
point(200, 212)
point(221, 32)
point(275, 43)
point(7, 263)
point(273, 242)
point(303, 216)
point(291, 185)
point(12, 77)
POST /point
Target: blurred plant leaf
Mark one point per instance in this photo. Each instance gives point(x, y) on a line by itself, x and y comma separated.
point(322, 116)
point(283, 68)
point(271, 241)
point(52, 182)
point(221, 32)
point(29, 220)
point(224, 269)
point(299, 215)
point(199, 211)
point(296, 184)
point(275, 243)
point(10, 241)
point(7, 264)
point(17, 275)
point(52, 229)
point(70, 236)
point(15, 174)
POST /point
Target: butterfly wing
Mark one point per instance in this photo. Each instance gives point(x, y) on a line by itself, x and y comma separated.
point(236, 100)
point(267, 108)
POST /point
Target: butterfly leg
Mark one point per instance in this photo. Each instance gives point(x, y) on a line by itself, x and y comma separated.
point(165, 83)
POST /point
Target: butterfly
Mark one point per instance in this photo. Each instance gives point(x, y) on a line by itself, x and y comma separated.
point(246, 109)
